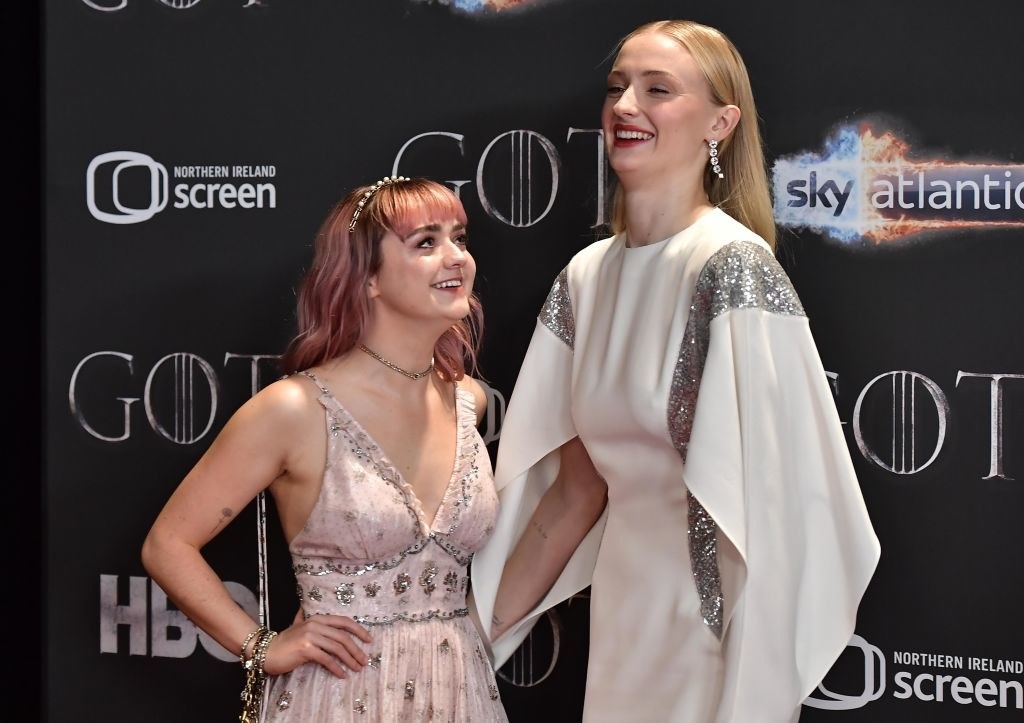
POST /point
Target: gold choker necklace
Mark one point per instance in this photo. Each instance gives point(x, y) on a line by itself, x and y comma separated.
point(390, 365)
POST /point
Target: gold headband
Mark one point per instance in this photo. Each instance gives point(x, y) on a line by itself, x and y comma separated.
point(386, 181)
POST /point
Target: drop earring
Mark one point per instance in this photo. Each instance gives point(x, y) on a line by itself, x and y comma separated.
point(713, 158)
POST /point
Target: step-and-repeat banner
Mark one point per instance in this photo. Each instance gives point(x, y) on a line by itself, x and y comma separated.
point(193, 146)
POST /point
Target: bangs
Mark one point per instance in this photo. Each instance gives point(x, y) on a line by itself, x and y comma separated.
point(403, 206)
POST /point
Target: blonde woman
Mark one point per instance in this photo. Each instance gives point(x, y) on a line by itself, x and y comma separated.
point(671, 440)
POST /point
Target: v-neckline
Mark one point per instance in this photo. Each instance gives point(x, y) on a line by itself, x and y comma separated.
point(382, 458)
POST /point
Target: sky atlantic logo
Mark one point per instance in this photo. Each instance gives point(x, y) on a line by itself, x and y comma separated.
point(126, 187)
point(868, 186)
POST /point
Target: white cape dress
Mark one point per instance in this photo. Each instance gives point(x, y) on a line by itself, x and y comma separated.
point(728, 566)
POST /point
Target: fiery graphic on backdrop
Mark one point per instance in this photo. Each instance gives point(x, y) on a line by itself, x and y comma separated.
point(482, 6)
point(867, 186)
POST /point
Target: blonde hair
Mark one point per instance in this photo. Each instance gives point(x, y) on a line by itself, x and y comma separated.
point(744, 192)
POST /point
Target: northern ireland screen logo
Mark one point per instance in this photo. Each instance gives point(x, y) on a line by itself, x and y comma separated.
point(868, 185)
point(862, 677)
point(126, 187)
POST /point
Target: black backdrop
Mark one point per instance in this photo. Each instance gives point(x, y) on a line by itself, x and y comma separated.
point(153, 320)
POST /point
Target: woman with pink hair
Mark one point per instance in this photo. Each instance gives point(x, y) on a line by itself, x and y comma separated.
point(383, 486)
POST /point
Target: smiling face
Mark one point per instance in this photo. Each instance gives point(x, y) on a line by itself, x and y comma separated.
point(426, 273)
point(658, 113)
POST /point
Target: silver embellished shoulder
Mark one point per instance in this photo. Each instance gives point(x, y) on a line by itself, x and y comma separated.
point(557, 314)
point(744, 275)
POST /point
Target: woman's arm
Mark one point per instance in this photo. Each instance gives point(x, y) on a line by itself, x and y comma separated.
point(261, 443)
point(566, 512)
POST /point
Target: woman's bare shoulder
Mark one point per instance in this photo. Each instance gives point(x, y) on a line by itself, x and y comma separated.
point(288, 400)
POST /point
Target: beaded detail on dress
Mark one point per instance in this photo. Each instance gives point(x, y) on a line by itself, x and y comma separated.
point(368, 552)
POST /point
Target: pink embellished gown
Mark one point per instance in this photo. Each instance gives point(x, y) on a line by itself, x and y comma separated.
point(367, 551)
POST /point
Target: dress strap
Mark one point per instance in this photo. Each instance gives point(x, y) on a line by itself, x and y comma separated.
point(261, 553)
point(466, 402)
point(313, 377)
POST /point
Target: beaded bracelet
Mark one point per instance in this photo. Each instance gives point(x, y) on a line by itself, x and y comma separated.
point(259, 653)
point(245, 643)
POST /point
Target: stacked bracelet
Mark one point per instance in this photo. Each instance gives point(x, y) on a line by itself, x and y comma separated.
point(245, 643)
point(255, 677)
point(259, 651)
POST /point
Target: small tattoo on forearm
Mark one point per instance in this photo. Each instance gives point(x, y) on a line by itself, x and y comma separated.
point(540, 529)
point(225, 515)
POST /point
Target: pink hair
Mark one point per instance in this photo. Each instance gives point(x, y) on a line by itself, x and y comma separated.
point(333, 308)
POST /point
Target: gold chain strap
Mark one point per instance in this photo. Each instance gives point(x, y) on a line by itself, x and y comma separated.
point(255, 677)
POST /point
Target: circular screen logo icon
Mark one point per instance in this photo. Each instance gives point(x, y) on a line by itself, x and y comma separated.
point(873, 681)
point(119, 175)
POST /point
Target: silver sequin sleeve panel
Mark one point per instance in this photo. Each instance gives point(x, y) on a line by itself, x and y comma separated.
point(744, 276)
point(556, 314)
point(741, 275)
